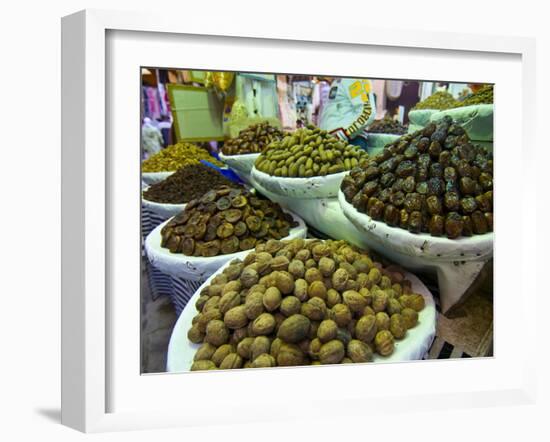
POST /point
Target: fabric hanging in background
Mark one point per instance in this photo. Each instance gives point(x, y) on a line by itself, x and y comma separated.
point(379, 90)
point(319, 98)
point(394, 89)
point(286, 104)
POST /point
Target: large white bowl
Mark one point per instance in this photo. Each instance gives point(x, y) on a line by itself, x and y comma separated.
point(164, 210)
point(155, 177)
point(304, 188)
point(241, 164)
point(193, 267)
point(413, 347)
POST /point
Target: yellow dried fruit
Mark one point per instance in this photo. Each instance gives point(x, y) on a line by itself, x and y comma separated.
point(294, 329)
point(379, 301)
point(385, 282)
point(382, 321)
point(313, 274)
point(290, 305)
point(317, 289)
point(213, 302)
point(275, 346)
point(221, 352)
point(249, 277)
point(254, 305)
point(263, 324)
point(410, 317)
point(333, 298)
point(279, 263)
point(314, 309)
point(195, 335)
point(332, 352)
point(342, 314)
point(397, 326)
point(393, 307)
point(261, 344)
point(204, 352)
point(236, 317)
point(300, 289)
point(384, 342)
point(314, 348)
point(296, 268)
point(339, 279)
point(264, 360)
point(327, 266)
point(203, 365)
point(354, 301)
point(359, 351)
point(327, 330)
point(217, 332)
point(414, 301)
point(290, 355)
point(243, 348)
point(366, 328)
point(374, 275)
point(231, 361)
point(206, 317)
point(272, 299)
point(284, 282)
point(228, 301)
point(303, 255)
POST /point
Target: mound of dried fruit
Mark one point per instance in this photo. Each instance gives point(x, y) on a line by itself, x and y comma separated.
point(309, 152)
point(433, 180)
point(301, 302)
point(253, 139)
point(387, 125)
point(187, 183)
point(440, 100)
point(225, 220)
point(482, 96)
point(176, 156)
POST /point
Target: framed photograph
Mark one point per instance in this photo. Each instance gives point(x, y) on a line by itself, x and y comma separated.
point(346, 231)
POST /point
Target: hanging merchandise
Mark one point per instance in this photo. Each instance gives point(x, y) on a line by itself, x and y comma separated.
point(394, 89)
point(286, 103)
point(349, 110)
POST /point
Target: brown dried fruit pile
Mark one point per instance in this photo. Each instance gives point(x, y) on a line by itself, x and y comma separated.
point(253, 139)
point(433, 180)
point(301, 302)
point(187, 183)
point(387, 125)
point(225, 220)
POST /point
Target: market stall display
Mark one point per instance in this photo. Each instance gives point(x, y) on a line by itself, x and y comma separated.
point(162, 164)
point(309, 152)
point(433, 180)
point(223, 221)
point(387, 125)
point(300, 303)
point(253, 139)
point(483, 96)
point(310, 163)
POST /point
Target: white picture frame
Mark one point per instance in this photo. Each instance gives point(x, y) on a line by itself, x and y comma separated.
point(90, 185)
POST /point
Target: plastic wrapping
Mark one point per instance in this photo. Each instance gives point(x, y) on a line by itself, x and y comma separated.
point(197, 268)
point(420, 117)
point(241, 164)
point(414, 346)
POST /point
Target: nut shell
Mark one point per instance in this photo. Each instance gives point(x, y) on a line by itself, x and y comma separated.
point(359, 351)
point(294, 329)
point(332, 352)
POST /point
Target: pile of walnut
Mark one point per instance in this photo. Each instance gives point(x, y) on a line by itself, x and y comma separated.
point(301, 302)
